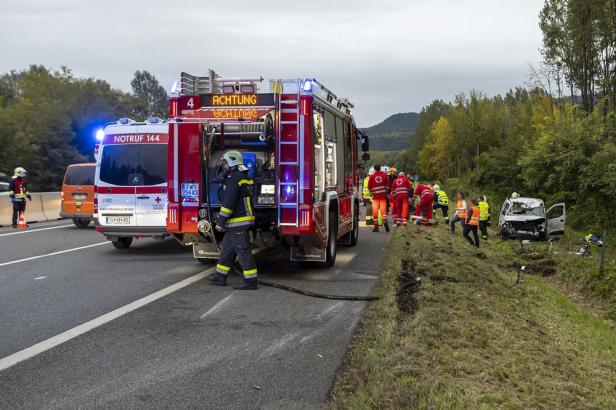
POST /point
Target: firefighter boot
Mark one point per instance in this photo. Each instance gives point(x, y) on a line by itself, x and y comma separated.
point(376, 227)
point(246, 284)
point(218, 279)
point(386, 225)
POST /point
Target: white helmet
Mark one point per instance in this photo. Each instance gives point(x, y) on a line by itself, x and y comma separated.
point(385, 169)
point(515, 195)
point(20, 172)
point(371, 171)
point(234, 158)
point(436, 187)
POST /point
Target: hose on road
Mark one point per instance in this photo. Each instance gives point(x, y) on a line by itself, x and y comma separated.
point(310, 293)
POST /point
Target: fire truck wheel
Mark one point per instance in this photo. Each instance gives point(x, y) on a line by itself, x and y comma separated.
point(123, 242)
point(332, 241)
point(81, 223)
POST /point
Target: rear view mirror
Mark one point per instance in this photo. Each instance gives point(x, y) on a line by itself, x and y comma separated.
point(365, 156)
point(365, 143)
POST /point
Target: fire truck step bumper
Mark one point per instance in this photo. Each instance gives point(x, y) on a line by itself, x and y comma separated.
point(312, 254)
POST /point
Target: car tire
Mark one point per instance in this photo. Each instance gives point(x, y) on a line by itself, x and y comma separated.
point(81, 223)
point(332, 242)
point(123, 242)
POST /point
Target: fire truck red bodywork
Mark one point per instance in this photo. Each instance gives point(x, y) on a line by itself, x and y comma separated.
point(302, 205)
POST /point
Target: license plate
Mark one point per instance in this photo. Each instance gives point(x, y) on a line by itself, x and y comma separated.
point(80, 197)
point(118, 220)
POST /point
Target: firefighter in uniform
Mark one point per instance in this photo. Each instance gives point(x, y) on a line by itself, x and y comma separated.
point(484, 218)
point(18, 192)
point(442, 202)
point(236, 219)
point(378, 184)
point(367, 197)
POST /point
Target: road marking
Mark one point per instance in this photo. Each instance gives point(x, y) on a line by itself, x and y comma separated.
point(36, 230)
point(218, 305)
point(53, 253)
point(40, 277)
point(54, 341)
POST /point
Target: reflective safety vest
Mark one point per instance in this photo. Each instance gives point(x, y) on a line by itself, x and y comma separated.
point(365, 192)
point(475, 216)
point(485, 210)
point(18, 188)
point(378, 184)
point(442, 197)
point(461, 212)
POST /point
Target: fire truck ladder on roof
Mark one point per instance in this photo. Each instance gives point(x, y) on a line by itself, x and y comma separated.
point(288, 126)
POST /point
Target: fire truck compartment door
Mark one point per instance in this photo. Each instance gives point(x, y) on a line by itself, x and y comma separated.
point(151, 208)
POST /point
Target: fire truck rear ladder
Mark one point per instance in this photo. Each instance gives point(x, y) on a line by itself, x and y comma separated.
point(288, 103)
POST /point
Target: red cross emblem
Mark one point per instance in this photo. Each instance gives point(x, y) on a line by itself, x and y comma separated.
point(157, 200)
point(378, 179)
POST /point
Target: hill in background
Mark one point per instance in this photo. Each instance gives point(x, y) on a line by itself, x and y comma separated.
point(394, 133)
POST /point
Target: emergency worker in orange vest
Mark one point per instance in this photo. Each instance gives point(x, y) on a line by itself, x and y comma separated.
point(400, 191)
point(378, 184)
point(472, 223)
point(461, 212)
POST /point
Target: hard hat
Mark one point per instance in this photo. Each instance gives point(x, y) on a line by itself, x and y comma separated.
point(436, 187)
point(233, 158)
point(20, 172)
point(371, 171)
point(515, 195)
point(483, 198)
point(392, 170)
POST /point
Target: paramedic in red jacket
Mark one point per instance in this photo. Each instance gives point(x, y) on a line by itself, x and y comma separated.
point(400, 190)
point(378, 185)
point(426, 200)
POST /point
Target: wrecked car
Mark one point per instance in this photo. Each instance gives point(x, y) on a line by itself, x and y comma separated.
point(527, 219)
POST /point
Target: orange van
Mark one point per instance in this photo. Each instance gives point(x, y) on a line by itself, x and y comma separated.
point(78, 194)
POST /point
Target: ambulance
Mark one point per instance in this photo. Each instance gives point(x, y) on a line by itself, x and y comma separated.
point(131, 181)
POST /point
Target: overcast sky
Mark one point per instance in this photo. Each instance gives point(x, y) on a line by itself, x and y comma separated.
point(387, 56)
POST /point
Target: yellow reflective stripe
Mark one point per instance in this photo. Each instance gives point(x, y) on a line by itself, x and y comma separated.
point(227, 210)
point(223, 267)
point(241, 219)
point(250, 272)
point(249, 206)
point(245, 182)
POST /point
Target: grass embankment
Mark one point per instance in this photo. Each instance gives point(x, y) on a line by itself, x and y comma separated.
point(467, 336)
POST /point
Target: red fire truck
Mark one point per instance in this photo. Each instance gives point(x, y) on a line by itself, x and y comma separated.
point(300, 145)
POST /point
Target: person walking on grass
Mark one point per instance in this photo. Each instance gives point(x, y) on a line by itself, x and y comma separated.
point(472, 223)
point(461, 212)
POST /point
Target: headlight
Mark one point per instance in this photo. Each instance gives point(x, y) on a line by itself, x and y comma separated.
point(268, 189)
point(265, 200)
point(203, 213)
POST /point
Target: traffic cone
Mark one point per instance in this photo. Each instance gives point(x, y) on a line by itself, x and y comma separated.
point(21, 223)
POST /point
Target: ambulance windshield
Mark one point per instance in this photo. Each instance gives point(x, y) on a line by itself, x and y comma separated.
point(134, 164)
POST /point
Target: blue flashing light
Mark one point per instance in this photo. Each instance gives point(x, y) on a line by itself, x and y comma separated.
point(308, 85)
point(100, 134)
point(153, 120)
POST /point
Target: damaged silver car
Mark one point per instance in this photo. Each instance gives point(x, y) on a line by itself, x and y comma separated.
point(527, 219)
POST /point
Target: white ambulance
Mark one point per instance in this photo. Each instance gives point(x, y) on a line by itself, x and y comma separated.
point(131, 181)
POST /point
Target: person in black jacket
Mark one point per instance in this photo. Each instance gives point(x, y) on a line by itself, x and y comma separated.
point(18, 192)
point(236, 219)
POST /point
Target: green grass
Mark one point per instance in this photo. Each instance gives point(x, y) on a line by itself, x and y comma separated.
point(469, 337)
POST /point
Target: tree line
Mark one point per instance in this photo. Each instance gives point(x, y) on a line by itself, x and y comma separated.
point(48, 119)
point(555, 140)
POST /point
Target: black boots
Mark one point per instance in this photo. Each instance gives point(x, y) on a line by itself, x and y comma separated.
point(218, 279)
point(386, 225)
point(376, 228)
point(246, 284)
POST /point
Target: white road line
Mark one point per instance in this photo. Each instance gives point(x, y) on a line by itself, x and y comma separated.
point(218, 305)
point(53, 253)
point(40, 277)
point(54, 341)
point(36, 230)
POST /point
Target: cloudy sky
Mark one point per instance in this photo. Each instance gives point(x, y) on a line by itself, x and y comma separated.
point(387, 56)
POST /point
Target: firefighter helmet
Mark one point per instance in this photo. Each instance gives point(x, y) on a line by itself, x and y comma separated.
point(392, 170)
point(20, 172)
point(233, 158)
point(436, 187)
point(515, 195)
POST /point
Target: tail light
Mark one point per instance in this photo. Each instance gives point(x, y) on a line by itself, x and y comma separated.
point(95, 200)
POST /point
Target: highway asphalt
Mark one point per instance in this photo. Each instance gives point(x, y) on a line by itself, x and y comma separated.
point(189, 346)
